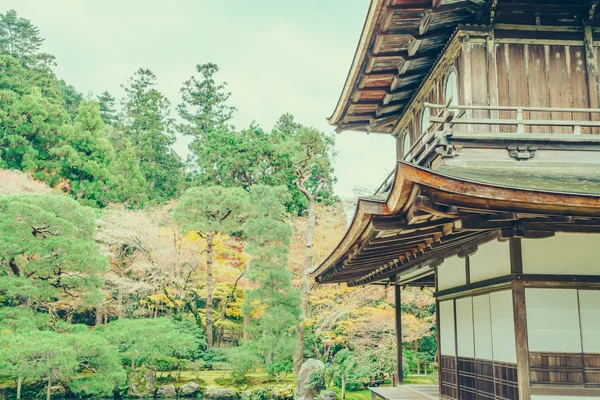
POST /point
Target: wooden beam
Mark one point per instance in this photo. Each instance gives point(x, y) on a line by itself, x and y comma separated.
point(426, 22)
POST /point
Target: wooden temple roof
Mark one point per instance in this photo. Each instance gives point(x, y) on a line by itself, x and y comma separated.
point(425, 216)
point(402, 39)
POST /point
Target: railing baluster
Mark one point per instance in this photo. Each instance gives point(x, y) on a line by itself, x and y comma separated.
point(520, 127)
point(577, 129)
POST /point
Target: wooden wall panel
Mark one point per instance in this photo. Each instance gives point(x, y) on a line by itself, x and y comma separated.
point(479, 84)
point(503, 71)
point(536, 69)
point(560, 85)
point(578, 80)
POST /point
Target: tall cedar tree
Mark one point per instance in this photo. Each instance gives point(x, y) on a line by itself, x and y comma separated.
point(108, 109)
point(209, 211)
point(274, 305)
point(310, 153)
point(149, 126)
point(204, 111)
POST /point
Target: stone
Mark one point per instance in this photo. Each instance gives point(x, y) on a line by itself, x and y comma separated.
point(142, 383)
point(328, 395)
point(166, 391)
point(303, 391)
point(224, 394)
point(190, 389)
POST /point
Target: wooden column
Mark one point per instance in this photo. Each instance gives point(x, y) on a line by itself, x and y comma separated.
point(520, 319)
point(591, 66)
point(398, 301)
point(438, 335)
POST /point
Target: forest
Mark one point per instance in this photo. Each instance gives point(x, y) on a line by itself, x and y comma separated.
point(128, 270)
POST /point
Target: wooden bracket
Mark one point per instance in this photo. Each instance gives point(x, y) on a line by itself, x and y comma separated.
point(522, 152)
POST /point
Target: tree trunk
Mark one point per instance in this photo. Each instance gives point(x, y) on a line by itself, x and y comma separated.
point(343, 386)
point(246, 323)
point(19, 385)
point(210, 253)
point(308, 261)
point(98, 316)
point(49, 391)
point(132, 364)
point(119, 303)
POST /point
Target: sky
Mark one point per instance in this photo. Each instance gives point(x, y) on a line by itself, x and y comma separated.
point(277, 56)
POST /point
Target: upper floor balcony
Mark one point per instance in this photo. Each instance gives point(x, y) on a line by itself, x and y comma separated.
point(543, 148)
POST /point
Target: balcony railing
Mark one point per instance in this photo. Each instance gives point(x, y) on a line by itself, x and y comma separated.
point(451, 118)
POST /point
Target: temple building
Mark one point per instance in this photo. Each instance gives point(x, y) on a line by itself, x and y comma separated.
point(495, 197)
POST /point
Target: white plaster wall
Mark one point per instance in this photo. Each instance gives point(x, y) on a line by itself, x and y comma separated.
point(503, 328)
point(447, 337)
point(553, 320)
point(565, 253)
point(464, 327)
point(490, 261)
point(452, 273)
point(589, 305)
point(482, 326)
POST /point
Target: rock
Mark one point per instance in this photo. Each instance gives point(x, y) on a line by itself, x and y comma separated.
point(303, 390)
point(328, 395)
point(142, 383)
point(190, 389)
point(166, 391)
point(224, 394)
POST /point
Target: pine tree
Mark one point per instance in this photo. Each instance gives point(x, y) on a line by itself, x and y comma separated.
point(18, 37)
point(274, 305)
point(310, 154)
point(210, 211)
point(48, 249)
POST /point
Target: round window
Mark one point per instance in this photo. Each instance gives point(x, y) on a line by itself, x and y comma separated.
point(406, 144)
point(425, 120)
point(451, 89)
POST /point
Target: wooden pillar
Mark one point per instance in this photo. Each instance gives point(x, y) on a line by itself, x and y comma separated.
point(591, 66)
point(398, 301)
point(438, 335)
point(520, 320)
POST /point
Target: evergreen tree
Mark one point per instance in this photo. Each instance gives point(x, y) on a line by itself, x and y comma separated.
point(210, 211)
point(86, 157)
point(48, 250)
point(108, 109)
point(310, 154)
point(18, 37)
point(274, 304)
point(147, 123)
point(71, 97)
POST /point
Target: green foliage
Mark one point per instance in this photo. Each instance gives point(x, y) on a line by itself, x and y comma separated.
point(86, 157)
point(152, 342)
point(211, 209)
point(18, 37)
point(107, 105)
point(149, 126)
point(47, 248)
point(204, 105)
point(99, 360)
point(316, 380)
point(272, 335)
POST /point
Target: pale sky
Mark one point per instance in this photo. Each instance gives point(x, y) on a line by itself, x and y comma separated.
point(276, 55)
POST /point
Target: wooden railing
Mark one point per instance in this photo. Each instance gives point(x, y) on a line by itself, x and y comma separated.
point(452, 118)
point(455, 115)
